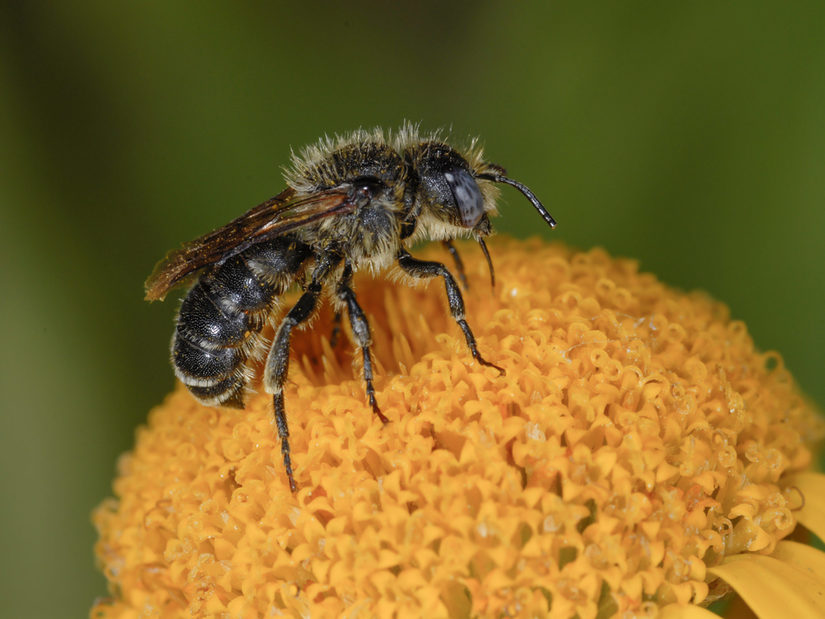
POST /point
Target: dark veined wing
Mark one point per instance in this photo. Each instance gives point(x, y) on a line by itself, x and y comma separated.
point(285, 212)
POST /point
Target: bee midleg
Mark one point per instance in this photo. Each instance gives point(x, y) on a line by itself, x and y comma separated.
point(361, 333)
point(459, 263)
point(422, 269)
point(277, 361)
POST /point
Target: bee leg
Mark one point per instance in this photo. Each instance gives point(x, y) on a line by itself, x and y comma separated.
point(336, 330)
point(277, 366)
point(361, 332)
point(459, 264)
point(489, 262)
point(421, 269)
point(283, 434)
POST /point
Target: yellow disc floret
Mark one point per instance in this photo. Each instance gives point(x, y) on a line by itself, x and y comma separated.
point(636, 440)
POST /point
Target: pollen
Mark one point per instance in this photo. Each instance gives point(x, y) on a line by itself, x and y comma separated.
point(637, 441)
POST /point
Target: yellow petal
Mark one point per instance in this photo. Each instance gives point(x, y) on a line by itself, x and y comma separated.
point(812, 513)
point(685, 611)
point(773, 588)
point(803, 557)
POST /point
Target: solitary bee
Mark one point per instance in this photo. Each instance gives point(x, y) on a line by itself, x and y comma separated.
point(352, 202)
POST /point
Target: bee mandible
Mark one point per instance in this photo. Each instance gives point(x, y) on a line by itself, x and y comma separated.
point(353, 202)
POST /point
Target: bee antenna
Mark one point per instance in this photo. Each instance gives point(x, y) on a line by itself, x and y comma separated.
point(489, 261)
point(500, 178)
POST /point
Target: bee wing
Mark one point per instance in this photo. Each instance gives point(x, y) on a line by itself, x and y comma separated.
point(285, 212)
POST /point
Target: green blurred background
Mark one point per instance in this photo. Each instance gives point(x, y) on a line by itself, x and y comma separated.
point(690, 136)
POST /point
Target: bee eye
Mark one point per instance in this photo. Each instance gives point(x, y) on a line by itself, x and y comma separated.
point(467, 196)
point(367, 185)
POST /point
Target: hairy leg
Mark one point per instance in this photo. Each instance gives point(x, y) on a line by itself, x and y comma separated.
point(277, 361)
point(361, 333)
point(422, 269)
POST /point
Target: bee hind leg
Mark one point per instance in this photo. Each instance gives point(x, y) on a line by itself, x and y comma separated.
point(277, 367)
point(361, 333)
point(422, 269)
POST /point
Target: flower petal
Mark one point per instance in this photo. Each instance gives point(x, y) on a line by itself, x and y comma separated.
point(812, 513)
point(773, 588)
point(685, 611)
point(803, 557)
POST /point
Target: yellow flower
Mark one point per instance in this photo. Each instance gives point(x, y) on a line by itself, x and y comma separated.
point(639, 453)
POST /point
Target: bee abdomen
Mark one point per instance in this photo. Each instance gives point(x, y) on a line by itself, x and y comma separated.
point(215, 376)
point(222, 314)
point(210, 349)
point(237, 289)
point(203, 321)
point(197, 366)
point(228, 392)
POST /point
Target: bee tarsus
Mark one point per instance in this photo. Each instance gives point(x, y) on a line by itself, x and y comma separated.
point(283, 435)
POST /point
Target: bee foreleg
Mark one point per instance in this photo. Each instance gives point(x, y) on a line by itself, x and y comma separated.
point(361, 333)
point(459, 264)
point(422, 269)
point(277, 366)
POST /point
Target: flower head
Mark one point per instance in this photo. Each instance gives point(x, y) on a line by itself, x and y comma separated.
point(637, 442)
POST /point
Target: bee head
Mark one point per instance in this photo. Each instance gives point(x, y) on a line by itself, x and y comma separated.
point(449, 188)
point(446, 186)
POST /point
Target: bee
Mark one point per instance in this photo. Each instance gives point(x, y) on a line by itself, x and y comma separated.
point(352, 202)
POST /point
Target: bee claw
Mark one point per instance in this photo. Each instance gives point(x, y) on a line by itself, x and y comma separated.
point(377, 410)
point(501, 370)
point(384, 419)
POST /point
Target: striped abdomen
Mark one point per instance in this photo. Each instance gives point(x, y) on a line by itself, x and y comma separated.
point(222, 315)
